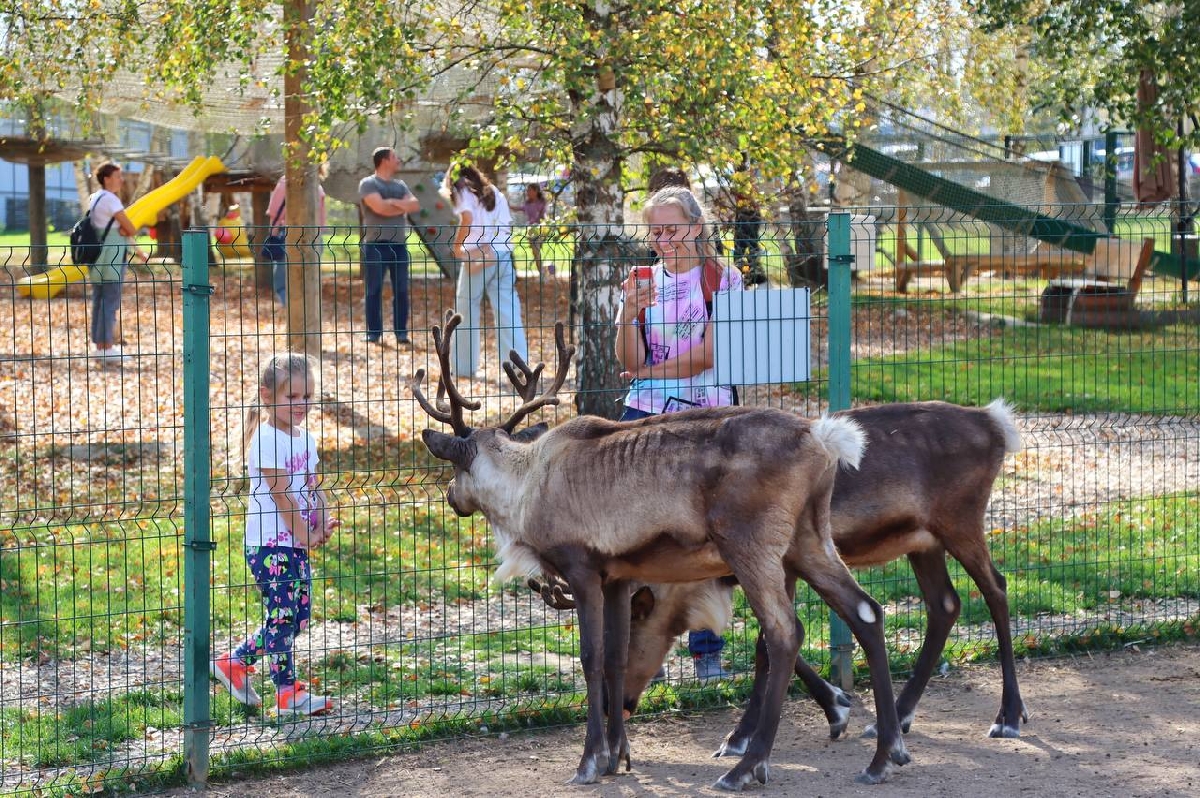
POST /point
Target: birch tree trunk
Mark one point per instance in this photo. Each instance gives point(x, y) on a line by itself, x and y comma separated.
point(602, 251)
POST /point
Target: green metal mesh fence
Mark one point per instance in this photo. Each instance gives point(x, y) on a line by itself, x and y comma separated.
point(1094, 523)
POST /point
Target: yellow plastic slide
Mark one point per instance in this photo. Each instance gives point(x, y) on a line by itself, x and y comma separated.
point(142, 213)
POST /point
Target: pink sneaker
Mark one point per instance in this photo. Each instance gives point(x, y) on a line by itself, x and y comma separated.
point(234, 675)
point(295, 699)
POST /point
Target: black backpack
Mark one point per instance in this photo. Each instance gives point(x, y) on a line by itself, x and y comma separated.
point(85, 245)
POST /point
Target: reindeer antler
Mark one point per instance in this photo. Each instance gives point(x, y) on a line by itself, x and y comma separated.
point(526, 381)
point(451, 414)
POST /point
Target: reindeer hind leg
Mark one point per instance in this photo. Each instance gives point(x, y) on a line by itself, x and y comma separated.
point(977, 562)
point(942, 606)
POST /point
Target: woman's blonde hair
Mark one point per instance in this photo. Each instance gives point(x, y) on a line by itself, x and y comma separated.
point(279, 370)
point(683, 199)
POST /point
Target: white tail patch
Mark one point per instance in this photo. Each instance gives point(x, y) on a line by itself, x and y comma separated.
point(842, 438)
point(865, 612)
point(1001, 413)
point(517, 561)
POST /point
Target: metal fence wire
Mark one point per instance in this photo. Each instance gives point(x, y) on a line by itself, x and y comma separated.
point(111, 612)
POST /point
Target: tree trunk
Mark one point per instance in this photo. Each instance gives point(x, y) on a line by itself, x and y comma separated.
point(303, 250)
point(805, 263)
point(259, 221)
point(602, 251)
point(37, 218)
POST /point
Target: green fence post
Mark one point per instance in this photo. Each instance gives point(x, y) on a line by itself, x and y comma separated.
point(197, 533)
point(841, 260)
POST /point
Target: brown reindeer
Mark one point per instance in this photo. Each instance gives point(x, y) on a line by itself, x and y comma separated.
point(582, 502)
point(921, 491)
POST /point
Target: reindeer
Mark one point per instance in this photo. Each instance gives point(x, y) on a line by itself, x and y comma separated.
point(579, 502)
point(921, 491)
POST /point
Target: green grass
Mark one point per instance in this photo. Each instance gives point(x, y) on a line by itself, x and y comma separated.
point(88, 732)
point(1042, 368)
point(1143, 548)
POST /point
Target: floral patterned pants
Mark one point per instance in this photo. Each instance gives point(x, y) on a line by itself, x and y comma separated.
point(285, 580)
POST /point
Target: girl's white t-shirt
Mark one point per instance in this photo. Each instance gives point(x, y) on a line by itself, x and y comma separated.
point(295, 454)
point(487, 227)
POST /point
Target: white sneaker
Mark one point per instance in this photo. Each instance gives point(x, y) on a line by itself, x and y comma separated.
point(296, 700)
point(113, 355)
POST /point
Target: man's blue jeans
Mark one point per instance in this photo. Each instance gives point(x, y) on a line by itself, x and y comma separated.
point(390, 257)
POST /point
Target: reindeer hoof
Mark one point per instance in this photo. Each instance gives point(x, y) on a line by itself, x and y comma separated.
point(731, 747)
point(870, 732)
point(900, 755)
point(614, 763)
point(1004, 731)
point(838, 715)
point(733, 781)
point(867, 777)
point(588, 771)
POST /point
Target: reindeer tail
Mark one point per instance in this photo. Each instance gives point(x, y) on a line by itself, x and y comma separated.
point(1002, 417)
point(842, 438)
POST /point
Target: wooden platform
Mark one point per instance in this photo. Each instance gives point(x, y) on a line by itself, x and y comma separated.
point(957, 268)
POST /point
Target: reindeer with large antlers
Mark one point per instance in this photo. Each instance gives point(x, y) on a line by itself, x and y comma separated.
point(579, 501)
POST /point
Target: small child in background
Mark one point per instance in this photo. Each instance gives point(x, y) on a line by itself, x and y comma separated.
point(287, 515)
point(535, 211)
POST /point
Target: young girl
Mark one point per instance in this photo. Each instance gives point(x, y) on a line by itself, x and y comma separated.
point(535, 211)
point(287, 516)
point(665, 338)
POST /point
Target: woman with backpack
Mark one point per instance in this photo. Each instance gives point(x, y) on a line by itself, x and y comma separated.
point(107, 274)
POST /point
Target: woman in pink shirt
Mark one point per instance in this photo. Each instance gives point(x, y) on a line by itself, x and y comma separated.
point(275, 212)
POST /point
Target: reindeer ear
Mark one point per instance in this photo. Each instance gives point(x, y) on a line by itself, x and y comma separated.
point(460, 451)
point(641, 604)
point(530, 434)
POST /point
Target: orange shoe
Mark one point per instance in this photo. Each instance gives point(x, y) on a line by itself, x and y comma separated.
point(294, 699)
point(235, 676)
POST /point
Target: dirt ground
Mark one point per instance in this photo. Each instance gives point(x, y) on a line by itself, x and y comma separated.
point(1103, 725)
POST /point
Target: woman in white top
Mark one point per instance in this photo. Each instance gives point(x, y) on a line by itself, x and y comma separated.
point(107, 274)
point(483, 246)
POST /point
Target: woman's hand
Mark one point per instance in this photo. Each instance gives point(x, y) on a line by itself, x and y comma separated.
point(638, 294)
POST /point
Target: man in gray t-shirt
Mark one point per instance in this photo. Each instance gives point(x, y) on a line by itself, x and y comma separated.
point(386, 203)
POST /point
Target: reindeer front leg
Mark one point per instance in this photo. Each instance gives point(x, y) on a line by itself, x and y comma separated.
point(616, 652)
point(585, 585)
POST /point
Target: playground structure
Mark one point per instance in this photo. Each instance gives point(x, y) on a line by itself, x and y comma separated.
point(1032, 242)
point(142, 213)
point(434, 223)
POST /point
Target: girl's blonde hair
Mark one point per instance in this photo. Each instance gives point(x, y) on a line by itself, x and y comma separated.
point(683, 199)
point(280, 369)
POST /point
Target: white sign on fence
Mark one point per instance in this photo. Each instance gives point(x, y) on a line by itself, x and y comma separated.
point(761, 337)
